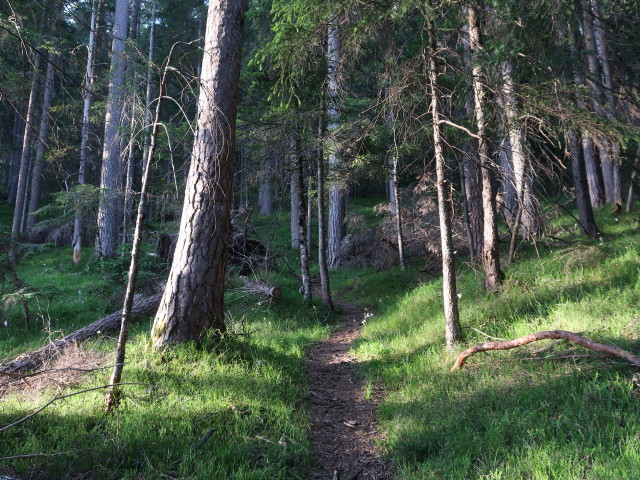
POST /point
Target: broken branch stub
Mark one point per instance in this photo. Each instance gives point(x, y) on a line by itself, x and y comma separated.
point(546, 335)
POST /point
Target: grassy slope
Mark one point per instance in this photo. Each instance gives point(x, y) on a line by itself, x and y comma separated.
point(501, 417)
point(504, 416)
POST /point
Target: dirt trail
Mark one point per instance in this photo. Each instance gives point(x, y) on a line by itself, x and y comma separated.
point(343, 423)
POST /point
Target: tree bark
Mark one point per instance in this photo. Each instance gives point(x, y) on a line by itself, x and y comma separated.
point(110, 206)
point(585, 210)
point(453, 333)
point(265, 190)
point(85, 151)
point(490, 251)
point(548, 335)
point(25, 157)
point(297, 177)
point(322, 258)
point(14, 165)
point(336, 227)
point(522, 178)
point(193, 301)
point(37, 174)
point(295, 192)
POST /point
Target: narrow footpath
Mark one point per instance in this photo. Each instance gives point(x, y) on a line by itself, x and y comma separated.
point(343, 424)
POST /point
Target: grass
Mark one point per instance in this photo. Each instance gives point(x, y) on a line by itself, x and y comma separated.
point(506, 416)
point(236, 409)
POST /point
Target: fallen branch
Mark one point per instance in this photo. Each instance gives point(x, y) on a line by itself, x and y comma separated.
point(34, 360)
point(261, 288)
point(554, 334)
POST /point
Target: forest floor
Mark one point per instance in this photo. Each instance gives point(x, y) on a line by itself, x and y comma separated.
point(344, 432)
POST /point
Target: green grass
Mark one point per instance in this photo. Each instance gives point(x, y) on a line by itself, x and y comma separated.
point(505, 416)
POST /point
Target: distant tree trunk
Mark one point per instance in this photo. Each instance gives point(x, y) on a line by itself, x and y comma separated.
point(43, 135)
point(14, 166)
point(25, 157)
point(613, 151)
point(490, 251)
point(508, 193)
point(310, 217)
point(85, 151)
point(110, 206)
point(193, 301)
point(591, 162)
point(265, 189)
point(609, 165)
point(450, 298)
point(322, 258)
point(147, 102)
point(632, 182)
point(336, 184)
point(296, 189)
point(585, 211)
point(297, 178)
point(523, 180)
point(112, 397)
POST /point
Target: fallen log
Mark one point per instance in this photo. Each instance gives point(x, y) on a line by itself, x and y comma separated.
point(34, 360)
point(261, 287)
point(553, 334)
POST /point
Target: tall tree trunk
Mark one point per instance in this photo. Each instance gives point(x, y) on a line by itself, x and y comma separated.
point(310, 216)
point(610, 168)
point(265, 190)
point(322, 258)
point(336, 184)
point(110, 206)
point(297, 178)
point(613, 151)
point(453, 333)
point(193, 300)
point(296, 189)
point(591, 162)
point(632, 182)
point(43, 135)
point(523, 180)
point(112, 396)
point(147, 102)
point(85, 151)
point(490, 251)
point(25, 157)
point(14, 166)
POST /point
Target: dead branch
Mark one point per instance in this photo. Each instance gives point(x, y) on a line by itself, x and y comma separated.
point(55, 399)
point(553, 334)
point(261, 287)
point(33, 360)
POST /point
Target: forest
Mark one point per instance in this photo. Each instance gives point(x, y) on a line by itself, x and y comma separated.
point(319, 239)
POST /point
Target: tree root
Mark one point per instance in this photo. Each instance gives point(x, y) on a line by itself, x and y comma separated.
point(553, 334)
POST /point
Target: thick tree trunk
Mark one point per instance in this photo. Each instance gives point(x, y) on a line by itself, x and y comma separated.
point(110, 207)
point(85, 151)
point(490, 252)
point(322, 258)
point(585, 210)
point(37, 174)
point(453, 333)
point(336, 225)
point(193, 301)
point(25, 157)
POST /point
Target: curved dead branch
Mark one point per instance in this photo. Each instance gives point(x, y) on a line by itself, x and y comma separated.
point(552, 334)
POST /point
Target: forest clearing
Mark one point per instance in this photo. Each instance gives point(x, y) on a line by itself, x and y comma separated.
point(319, 240)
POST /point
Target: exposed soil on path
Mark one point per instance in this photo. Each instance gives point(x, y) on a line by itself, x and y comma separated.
point(343, 423)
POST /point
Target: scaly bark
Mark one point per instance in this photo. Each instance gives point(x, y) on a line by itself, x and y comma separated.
point(193, 301)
